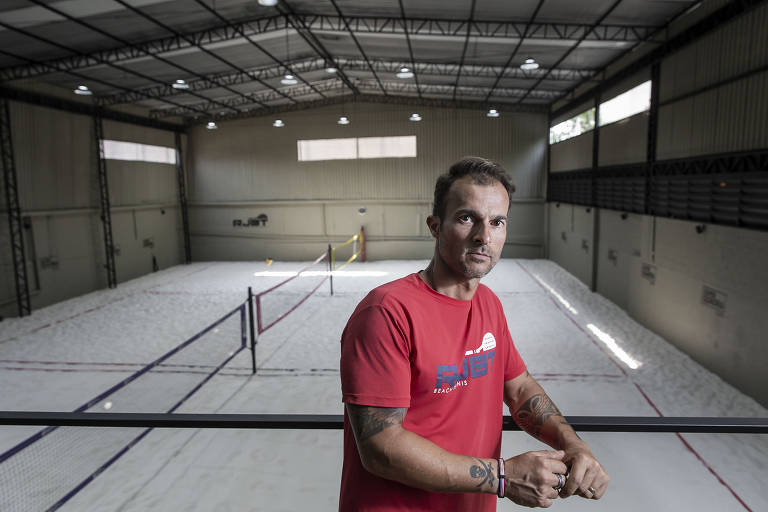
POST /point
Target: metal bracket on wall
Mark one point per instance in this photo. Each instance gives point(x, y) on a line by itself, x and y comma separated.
point(14, 212)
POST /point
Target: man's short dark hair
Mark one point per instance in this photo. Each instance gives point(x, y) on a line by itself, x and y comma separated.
point(482, 171)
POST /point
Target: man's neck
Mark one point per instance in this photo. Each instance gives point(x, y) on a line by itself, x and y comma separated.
point(445, 281)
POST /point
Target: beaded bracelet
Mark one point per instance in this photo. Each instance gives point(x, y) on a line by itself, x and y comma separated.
point(501, 478)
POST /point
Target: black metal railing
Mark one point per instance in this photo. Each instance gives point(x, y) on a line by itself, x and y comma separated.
point(710, 425)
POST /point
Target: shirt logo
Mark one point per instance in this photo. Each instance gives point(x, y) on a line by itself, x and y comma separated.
point(489, 343)
point(475, 364)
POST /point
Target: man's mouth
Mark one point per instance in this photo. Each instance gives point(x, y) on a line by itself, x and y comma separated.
point(479, 254)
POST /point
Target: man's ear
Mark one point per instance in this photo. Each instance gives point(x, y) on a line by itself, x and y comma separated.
point(433, 223)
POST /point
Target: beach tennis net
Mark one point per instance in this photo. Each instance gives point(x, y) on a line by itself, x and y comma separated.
point(48, 468)
point(280, 300)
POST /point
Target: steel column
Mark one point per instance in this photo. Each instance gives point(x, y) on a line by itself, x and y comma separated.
point(182, 180)
point(106, 216)
point(14, 213)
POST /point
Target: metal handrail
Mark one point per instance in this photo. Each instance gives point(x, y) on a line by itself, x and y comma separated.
point(712, 425)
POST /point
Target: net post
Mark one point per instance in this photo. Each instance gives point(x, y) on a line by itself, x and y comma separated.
point(330, 267)
point(362, 244)
point(251, 329)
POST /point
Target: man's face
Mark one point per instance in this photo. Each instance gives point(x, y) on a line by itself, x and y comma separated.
point(471, 235)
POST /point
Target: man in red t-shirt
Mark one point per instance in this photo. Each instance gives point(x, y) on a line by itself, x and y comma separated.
point(427, 362)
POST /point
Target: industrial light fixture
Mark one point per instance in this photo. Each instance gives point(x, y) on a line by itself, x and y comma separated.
point(404, 73)
point(180, 84)
point(211, 125)
point(268, 3)
point(331, 69)
point(493, 113)
point(278, 123)
point(529, 65)
point(343, 120)
point(289, 79)
point(82, 90)
point(414, 117)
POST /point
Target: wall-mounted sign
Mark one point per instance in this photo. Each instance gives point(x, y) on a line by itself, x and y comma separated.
point(261, 220)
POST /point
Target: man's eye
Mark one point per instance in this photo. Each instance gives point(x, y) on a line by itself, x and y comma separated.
point(497, 222)
point(465, 218)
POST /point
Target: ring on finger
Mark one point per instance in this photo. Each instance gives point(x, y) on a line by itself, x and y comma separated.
point(592, 490)
point(560, 482)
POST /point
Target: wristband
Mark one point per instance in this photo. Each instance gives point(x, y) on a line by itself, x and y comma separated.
point(501, 478)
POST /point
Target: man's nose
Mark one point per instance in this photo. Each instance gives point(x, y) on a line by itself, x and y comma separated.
point(482, 235)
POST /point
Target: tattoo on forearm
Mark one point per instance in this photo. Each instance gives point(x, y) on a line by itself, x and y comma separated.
point(532, 415)
point(369, 421)
point(483, 471)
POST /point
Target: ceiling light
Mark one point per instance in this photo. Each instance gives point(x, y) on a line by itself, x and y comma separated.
point(83, 90)
point(493, 113)
point(343, 120)
point(331, 69)
point(180, 84)
point(211, 125)
point(415, 117)
point(268, 3)
point(529, 65)
point(404, 73)
point(278, 123)
point(289, 80)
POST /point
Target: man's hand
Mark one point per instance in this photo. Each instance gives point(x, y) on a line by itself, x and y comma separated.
point(531, 477)
point(587, 478)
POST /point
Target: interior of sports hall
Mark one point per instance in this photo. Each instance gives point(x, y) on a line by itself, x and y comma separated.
point(197, 194)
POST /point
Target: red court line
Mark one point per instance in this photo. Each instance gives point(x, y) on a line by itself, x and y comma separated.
point(647, 398)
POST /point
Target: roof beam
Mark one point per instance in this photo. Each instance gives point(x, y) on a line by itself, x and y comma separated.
point(423, 69)
point(369, 85)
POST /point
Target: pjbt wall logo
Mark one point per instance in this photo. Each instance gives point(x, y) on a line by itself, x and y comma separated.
point(475, 364)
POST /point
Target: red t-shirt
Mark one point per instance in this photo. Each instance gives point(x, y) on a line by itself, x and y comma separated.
point(444, 359)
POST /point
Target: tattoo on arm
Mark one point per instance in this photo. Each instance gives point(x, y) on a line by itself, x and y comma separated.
point(534, 413)
point(368, 421)
point(482, 471)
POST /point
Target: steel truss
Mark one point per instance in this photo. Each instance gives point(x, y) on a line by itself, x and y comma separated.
point(347, 96)
point(253, 100)
point(106, 215)
point(276, 25)
point(347, 64)
point(14, 212)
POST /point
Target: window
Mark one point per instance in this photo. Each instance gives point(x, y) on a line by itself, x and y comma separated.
point(634, 101)
point(327, 149)
point(386, 147)
point(356, 148)
point(572, 127)
point(132, 151)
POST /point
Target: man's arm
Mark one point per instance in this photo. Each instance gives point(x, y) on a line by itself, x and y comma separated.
point(535, 413)
point(390, 451)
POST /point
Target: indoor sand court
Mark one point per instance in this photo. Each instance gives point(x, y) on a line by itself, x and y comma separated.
point(162, 157)
point(549, 313)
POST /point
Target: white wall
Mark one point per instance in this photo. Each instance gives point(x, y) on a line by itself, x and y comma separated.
point(247, 167)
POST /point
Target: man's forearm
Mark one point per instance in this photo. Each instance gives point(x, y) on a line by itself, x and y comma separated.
point(535, 413)
point(412, 460)
point(390, 451)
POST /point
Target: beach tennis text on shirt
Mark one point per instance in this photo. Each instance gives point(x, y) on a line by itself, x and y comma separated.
point(475, 364)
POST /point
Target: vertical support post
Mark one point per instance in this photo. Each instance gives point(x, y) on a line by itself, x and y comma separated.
point(595, 205)
point(653, 130)
point(362, 244)
point(251, 329)
point(547, 198)
point(106, 216)
point(182, 180)
point(14, 212)
point(330, 267)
